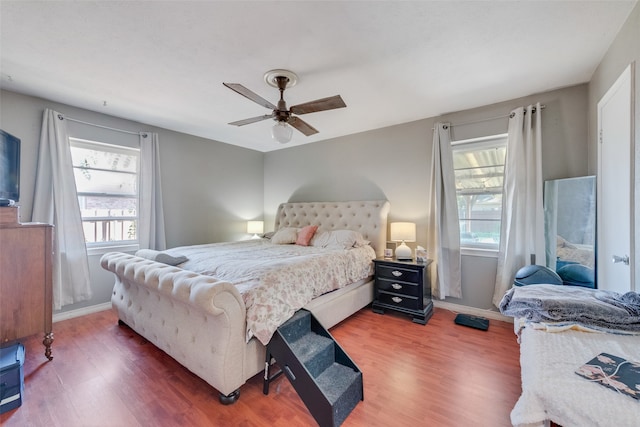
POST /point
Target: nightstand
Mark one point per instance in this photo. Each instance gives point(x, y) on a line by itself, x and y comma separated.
point(403, 286)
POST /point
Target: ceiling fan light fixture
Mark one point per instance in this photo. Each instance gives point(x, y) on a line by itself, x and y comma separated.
point(281, 132)
point(286, 118)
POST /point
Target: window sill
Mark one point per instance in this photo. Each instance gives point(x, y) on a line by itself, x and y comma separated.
point(479, 252)
point(101, 250)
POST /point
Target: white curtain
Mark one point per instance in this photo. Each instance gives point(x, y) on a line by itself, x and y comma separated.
point(522, 229)
point(151, 233)
point(56, 202)
point(443, 238)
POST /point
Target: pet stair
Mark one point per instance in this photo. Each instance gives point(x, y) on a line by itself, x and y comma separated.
point(326, 379)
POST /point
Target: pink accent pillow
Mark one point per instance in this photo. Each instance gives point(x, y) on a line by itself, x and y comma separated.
point(305, 234)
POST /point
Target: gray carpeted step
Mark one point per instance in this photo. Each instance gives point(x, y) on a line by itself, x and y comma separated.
point(327, 380)
point(297, 326)
point(315, 352)
point(343, 388)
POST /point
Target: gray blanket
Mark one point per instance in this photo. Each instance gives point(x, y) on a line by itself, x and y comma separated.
point(589, 307)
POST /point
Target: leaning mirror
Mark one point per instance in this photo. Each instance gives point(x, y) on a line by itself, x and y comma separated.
point(570, 229)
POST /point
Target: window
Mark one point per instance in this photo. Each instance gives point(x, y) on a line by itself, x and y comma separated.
point(479, 172)
point(107, 182)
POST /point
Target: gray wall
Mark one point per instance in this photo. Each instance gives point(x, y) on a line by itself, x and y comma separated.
point(210, 189)
point(393, 163)
point(623, 51)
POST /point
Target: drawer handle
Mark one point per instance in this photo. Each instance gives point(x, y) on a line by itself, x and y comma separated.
point(396, 286)
point(289, 373)
point(397, 300)
point(396, 273)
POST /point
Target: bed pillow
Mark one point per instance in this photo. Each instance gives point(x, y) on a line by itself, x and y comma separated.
point(339, 239)
point(285, 236)
point(268, 235)
point(305, 234)
point(162, 257)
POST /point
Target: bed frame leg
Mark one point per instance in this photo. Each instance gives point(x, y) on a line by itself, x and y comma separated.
point(228, 399)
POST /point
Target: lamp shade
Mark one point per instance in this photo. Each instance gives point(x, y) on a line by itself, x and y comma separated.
point(403, 232)
point(281, 132)
point(255, 227)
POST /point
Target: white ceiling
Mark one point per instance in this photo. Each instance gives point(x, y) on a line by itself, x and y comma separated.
point(163, 63)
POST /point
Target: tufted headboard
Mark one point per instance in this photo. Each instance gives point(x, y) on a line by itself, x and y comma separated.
point(367, 217)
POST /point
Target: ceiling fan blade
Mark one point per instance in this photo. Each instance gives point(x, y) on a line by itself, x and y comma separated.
point(251, 120)
point(237, 87)
point(302, 126)
point(323, 104)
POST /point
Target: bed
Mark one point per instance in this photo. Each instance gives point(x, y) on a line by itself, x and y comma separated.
point(560, 330)
point(204, 316)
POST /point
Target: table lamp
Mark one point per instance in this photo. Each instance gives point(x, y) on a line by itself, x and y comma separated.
point(403, 232)
point(255, 228)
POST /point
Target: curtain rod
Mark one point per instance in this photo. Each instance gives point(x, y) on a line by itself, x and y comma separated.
point(71, 119)
point(542, 107)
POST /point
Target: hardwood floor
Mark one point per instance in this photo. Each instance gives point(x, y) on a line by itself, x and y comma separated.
point(440, 374)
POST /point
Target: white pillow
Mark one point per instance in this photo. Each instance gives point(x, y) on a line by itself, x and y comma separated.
point(338, 239)
point(285, 236)
point(268, 235)
point(162, 257)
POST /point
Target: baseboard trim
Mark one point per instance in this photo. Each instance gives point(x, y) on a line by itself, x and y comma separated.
point(66, 315)
point(458, 308)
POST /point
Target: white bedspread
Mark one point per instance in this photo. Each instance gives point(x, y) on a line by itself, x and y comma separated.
point(277, 280)
point(552, 390)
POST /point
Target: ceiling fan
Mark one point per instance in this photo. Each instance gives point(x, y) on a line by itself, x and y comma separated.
point(284, 117)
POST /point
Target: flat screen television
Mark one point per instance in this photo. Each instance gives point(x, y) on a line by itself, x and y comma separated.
point(9, 169)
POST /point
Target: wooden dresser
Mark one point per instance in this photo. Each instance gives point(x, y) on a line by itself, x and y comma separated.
point(25, 279)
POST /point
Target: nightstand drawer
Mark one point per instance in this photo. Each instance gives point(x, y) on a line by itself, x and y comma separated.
point(398, 287)
point(398, 300)
point(396, 273)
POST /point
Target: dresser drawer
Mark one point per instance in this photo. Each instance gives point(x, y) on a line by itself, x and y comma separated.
point(397, 273)
point(398, 287)
point(398, 300)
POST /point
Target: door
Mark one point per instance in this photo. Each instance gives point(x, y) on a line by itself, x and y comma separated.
point(614, 250)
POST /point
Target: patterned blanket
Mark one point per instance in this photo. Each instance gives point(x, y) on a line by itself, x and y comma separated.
point(277, 280)
point(592, 308)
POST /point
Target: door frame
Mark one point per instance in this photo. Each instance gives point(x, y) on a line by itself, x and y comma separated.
point(627, 75)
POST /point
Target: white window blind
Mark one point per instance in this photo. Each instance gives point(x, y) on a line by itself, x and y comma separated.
point(479, 173)
point(106, 178)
